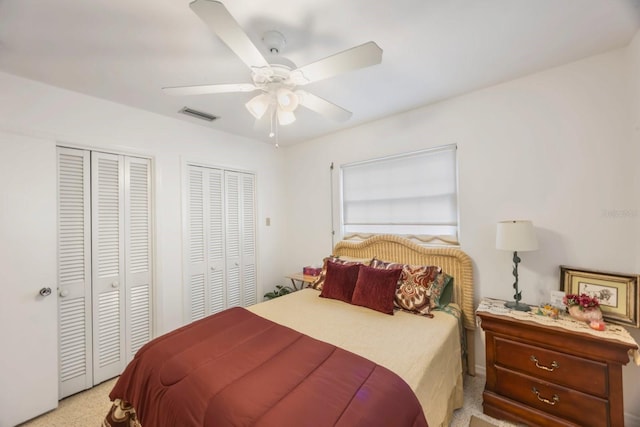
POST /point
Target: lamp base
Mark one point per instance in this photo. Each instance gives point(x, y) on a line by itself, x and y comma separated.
point(515, 305)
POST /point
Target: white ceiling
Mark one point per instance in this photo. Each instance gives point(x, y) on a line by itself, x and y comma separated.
point(127, 50)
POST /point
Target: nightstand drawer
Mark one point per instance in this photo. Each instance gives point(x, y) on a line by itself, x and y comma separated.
point(581, 408)
point(560, 368)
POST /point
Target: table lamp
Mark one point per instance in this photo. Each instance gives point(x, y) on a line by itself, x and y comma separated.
point(516, 236)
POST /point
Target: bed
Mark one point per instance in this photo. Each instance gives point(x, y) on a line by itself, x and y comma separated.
point(401, 370)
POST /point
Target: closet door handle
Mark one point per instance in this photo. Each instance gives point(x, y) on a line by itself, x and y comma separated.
point(115, 284)
point(63, 293)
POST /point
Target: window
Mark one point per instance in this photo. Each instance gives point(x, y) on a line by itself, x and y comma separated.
point(408, 194)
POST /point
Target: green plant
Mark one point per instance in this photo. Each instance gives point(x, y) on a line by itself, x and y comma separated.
point(279, 291)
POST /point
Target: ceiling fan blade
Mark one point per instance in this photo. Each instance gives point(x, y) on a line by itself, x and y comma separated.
point(220, 21)
point(365, 55)
point(322, 106)
point(206, 89)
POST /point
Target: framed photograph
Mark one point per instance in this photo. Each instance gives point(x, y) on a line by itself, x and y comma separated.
point(617, 293)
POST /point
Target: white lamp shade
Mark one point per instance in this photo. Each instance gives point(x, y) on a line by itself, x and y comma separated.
point(516, 236)
point(287, 100)
point(285, 117)
point(258, 105)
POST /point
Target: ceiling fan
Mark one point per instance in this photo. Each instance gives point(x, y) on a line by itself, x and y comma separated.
point(277, 80)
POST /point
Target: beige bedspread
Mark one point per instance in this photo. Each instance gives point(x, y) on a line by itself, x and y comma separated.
point(425, 352)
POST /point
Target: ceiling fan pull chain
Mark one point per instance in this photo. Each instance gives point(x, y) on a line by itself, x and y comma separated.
point(276, 124)
point(273, 113)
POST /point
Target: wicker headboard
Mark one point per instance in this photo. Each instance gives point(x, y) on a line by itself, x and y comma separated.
point(453, 261)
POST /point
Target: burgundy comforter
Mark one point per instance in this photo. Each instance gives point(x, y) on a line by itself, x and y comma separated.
point(238, 369)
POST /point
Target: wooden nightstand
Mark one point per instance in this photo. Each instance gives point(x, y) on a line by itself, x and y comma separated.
point(544, 374)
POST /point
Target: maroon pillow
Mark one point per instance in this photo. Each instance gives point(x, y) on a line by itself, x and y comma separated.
point(416, 291)
point(376, 288)
point(340, 281)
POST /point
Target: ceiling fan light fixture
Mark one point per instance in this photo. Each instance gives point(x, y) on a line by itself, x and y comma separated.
point(285, 117)
point(276, 78)
point(287, 100)
point(258, 105)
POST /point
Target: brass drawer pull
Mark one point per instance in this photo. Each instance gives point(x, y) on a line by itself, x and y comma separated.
point(553, 367)
point(555, 397)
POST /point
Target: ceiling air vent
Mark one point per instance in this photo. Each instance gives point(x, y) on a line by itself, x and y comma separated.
point(198, 114)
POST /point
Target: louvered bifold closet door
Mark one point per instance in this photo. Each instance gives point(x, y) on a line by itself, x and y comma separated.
point(108, 265)
point(220, 241)
point(195, 244)
point(233, 238)
point(248, 239)
point(74, 272)
point(205, 242)
point(137, 216)
point(216, 241)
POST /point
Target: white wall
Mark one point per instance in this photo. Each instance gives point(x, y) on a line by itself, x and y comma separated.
point(59, 116)
point(634, 78)
point(632, 394)
point(553, 147)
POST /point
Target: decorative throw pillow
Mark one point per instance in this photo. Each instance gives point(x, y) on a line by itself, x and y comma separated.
point(417, 289)
point(376, 288)
point(319, 282)
point(340, 281)
point(441, 290)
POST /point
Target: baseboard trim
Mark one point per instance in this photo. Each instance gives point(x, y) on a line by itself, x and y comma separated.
point(631, 420)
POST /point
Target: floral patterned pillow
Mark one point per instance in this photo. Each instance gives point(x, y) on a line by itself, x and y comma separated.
point(319, 282)
point(419, 287)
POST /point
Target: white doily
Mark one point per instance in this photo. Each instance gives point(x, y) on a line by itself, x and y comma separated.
point(615, 332)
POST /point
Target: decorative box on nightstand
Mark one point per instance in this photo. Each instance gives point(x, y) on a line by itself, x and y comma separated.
point(542, 371)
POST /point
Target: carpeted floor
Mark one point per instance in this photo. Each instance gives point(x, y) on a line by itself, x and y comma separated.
point(86, 409)
point(479, 422)
point(473, 388)
point(89, 408)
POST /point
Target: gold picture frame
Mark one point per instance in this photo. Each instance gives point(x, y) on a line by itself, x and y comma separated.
point(617, 293)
